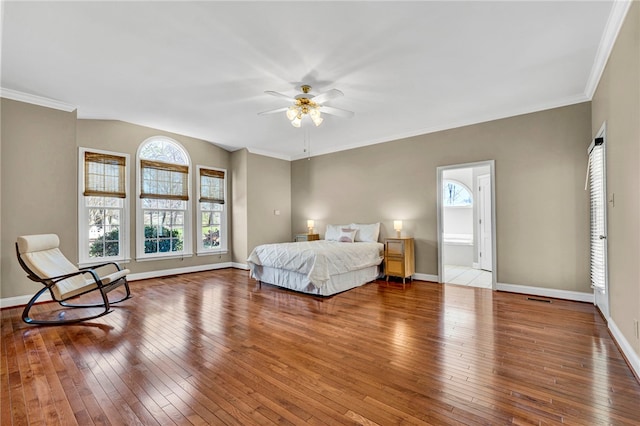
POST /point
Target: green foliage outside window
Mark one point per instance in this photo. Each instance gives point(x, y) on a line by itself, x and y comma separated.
point(108, 244)
point(168, 240)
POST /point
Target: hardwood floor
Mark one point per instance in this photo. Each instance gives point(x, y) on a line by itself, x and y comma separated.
point(213, 348)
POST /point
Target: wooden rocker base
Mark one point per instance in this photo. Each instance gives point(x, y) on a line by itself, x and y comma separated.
point(106, 304)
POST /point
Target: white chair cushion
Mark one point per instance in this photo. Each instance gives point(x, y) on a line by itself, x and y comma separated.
point(41, 254)
point(30, 243)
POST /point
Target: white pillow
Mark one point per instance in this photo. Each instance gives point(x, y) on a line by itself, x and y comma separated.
point(367, 232)
point(333, 232)
point(347, 235)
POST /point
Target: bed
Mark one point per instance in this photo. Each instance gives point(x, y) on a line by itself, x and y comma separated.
point(350, 256)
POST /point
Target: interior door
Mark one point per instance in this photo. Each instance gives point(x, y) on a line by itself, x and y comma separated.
point(484, 222)
point(598, 224)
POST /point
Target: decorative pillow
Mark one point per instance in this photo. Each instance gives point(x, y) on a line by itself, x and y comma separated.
point(367, 232)
point(333, 232)
point(347, 235)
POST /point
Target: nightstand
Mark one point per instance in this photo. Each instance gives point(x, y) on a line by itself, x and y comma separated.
point(399, 258)
point(307, 237)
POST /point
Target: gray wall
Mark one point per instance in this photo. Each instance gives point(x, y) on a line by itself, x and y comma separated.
point(617, 102)
point(261, 185)
point(541, 207)
point(39, 181)
point(239, 205)
point(39, 184)
point(269, 189)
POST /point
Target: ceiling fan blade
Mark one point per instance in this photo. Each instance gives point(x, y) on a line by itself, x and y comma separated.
point(337, 111)
point(273, 111)
point(280, 95)
point(330, 94)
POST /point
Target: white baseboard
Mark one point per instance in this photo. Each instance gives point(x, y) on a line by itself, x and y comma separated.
point(475, 265)
point(632, 357)
point(425, 277)
point(176, 271)
point(577, 296)
point(9, 302)
point(240, 266)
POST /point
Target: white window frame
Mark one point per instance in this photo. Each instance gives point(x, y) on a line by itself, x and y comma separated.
point(187, 250)
point(224, 236)
point(83, 215)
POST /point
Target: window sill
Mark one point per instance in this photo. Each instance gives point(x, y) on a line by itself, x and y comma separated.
point(212, 253)
point(163, 257)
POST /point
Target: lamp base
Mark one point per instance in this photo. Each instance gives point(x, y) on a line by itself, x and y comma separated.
point(399, 234)
point(310, 231)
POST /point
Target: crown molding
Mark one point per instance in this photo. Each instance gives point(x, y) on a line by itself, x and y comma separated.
point(36, 100)
point(266, 153)
point(609, 35)
point(96, 116)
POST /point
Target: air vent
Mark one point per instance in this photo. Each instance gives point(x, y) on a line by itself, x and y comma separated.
point(535, 299)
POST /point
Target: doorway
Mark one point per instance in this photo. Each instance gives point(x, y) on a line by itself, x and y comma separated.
point(466, 224)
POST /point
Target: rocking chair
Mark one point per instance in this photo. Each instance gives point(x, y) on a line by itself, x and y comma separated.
point(44, 263)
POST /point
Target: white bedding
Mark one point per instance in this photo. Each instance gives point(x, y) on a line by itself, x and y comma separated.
point(317, 260)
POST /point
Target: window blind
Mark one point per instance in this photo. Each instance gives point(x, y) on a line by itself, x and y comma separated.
point(164, 180)
point(597, 199)
point(104, 175)
point(212, 186)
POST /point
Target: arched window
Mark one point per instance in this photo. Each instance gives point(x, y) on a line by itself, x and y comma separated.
point(164, 218)
point(456, 194)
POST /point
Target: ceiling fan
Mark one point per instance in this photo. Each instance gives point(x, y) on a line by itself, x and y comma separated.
point(306, 103)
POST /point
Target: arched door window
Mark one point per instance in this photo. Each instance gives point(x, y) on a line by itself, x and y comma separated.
point(456, 194)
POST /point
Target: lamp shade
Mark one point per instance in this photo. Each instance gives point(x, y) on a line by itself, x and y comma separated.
point(310, 223)
point(292, 112)
point(397, 225)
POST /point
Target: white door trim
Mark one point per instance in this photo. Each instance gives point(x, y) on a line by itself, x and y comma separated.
point(484, 261)
point(494, 258)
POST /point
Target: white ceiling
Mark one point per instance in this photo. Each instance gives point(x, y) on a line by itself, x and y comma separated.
point(406, 68)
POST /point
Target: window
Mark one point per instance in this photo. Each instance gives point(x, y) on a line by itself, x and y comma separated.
point(103, 206)
point(163, 217)
point(456, 194)
point(212, 213)
point(598, 220)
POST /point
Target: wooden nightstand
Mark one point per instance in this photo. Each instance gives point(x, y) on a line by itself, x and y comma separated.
point(307, 237)
point(399, 258)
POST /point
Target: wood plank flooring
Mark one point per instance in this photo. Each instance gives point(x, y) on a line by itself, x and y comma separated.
point(214, 348)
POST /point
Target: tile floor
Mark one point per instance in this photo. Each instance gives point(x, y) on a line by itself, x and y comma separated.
point(463, 275)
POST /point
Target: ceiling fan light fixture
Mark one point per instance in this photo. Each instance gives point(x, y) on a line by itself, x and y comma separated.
point(314, 113)
point(317, 120)
point(308, 104)
point(292, 112)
